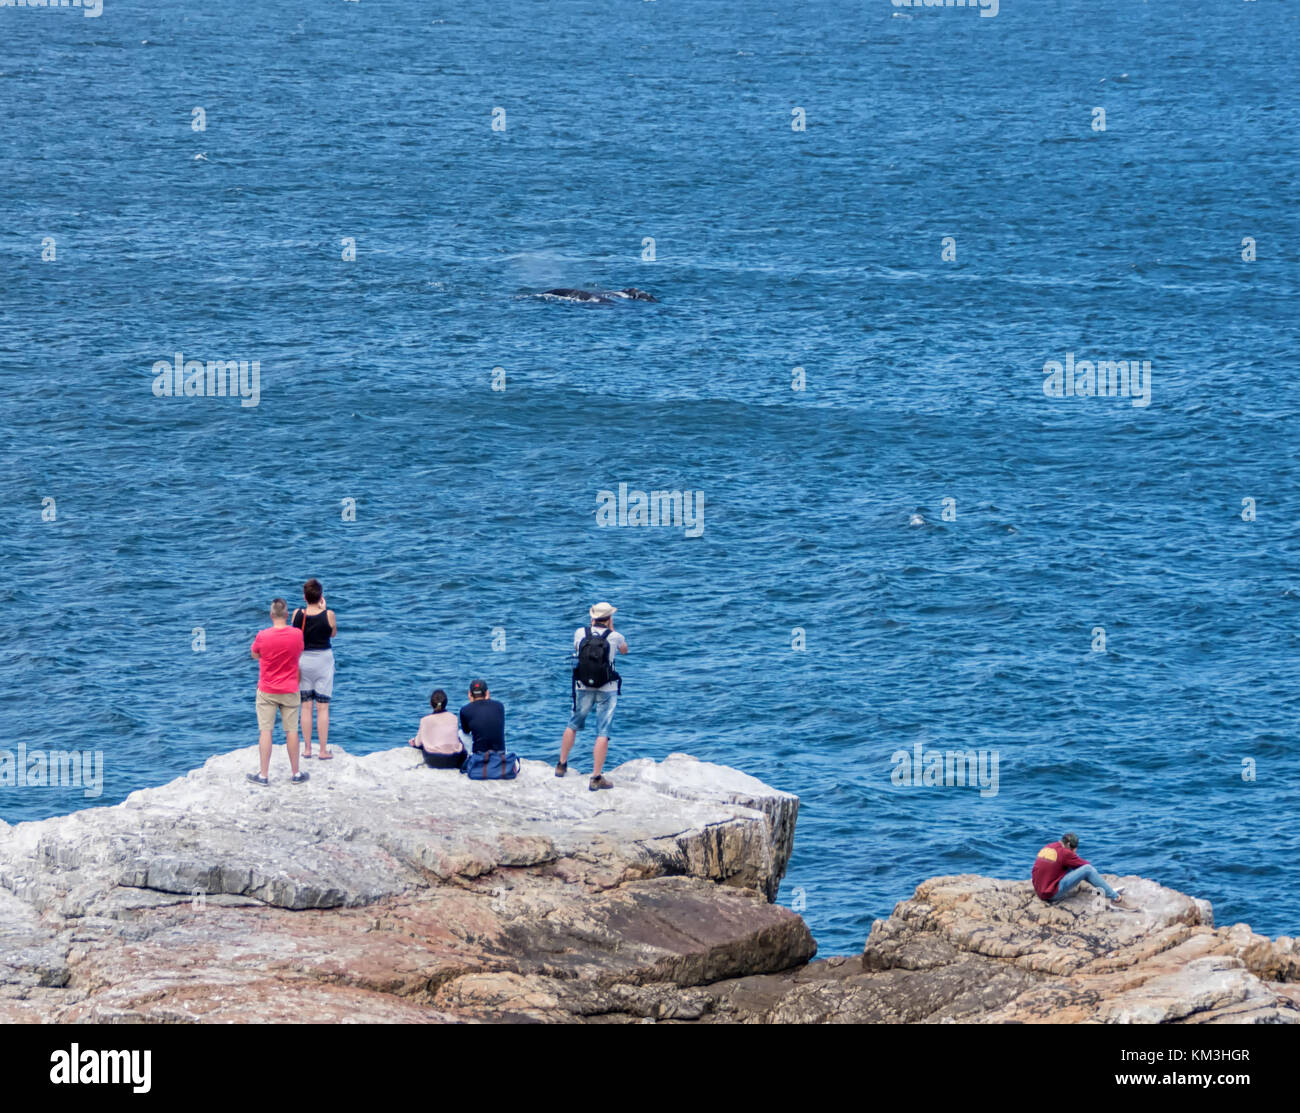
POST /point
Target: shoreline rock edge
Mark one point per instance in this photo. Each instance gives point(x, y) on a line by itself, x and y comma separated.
point(383, 892)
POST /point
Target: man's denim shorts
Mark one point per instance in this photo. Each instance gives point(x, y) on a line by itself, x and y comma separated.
point(604, 703)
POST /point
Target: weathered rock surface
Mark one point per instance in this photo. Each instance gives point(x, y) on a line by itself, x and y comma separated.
point(972, 949)
point(381, 891)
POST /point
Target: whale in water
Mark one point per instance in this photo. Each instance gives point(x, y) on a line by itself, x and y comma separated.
point(601, 297)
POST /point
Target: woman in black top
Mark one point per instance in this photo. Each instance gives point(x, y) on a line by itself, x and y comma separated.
point(318, 626)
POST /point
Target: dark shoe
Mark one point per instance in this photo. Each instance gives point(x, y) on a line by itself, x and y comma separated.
point(299, 777)
point(561, 767)
point(258, 779)
point(598, 782)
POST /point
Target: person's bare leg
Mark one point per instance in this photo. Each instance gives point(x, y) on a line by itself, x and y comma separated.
point(305, 716)
point(566, 744)
point(264, 750)
point(291, 744)
point(598, 755)
point(323, 727)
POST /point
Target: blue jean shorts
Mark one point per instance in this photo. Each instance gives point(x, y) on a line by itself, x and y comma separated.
point(603, 702)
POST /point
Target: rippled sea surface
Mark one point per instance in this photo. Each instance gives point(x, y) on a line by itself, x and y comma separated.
point(475, 509)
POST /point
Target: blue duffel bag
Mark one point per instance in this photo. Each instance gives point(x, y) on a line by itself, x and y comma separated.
point(491, 765)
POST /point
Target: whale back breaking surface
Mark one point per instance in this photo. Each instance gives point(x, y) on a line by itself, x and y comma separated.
point(566, 294)
point(598, 297)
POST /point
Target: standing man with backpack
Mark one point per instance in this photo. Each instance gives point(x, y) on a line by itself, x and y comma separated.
point(595, 684)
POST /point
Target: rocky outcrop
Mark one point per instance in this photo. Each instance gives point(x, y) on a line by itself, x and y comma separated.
point(382, 891)
point(972, 949)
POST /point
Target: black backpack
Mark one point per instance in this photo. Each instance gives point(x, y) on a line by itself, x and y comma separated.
point(595, 667)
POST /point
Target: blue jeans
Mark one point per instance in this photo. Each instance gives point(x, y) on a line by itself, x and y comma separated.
point(603, 702)
point(1083, 873)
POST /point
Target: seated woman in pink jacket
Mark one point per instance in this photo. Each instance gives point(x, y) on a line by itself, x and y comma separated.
point(438, 739)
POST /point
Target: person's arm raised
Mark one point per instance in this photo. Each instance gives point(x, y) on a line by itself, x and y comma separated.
point(622, 638)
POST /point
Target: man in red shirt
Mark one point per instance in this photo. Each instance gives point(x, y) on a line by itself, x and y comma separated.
point(276, 651)
point(1058, 869)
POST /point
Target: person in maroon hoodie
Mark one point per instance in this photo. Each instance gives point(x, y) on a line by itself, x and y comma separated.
point(1058, 869)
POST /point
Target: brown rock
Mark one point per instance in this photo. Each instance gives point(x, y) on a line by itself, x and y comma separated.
point(974, 949)
point(382, 892)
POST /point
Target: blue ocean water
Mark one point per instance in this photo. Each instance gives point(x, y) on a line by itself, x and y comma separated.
point(774, 248)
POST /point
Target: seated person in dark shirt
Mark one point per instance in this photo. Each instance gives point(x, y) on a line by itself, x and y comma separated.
point(483, 720)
